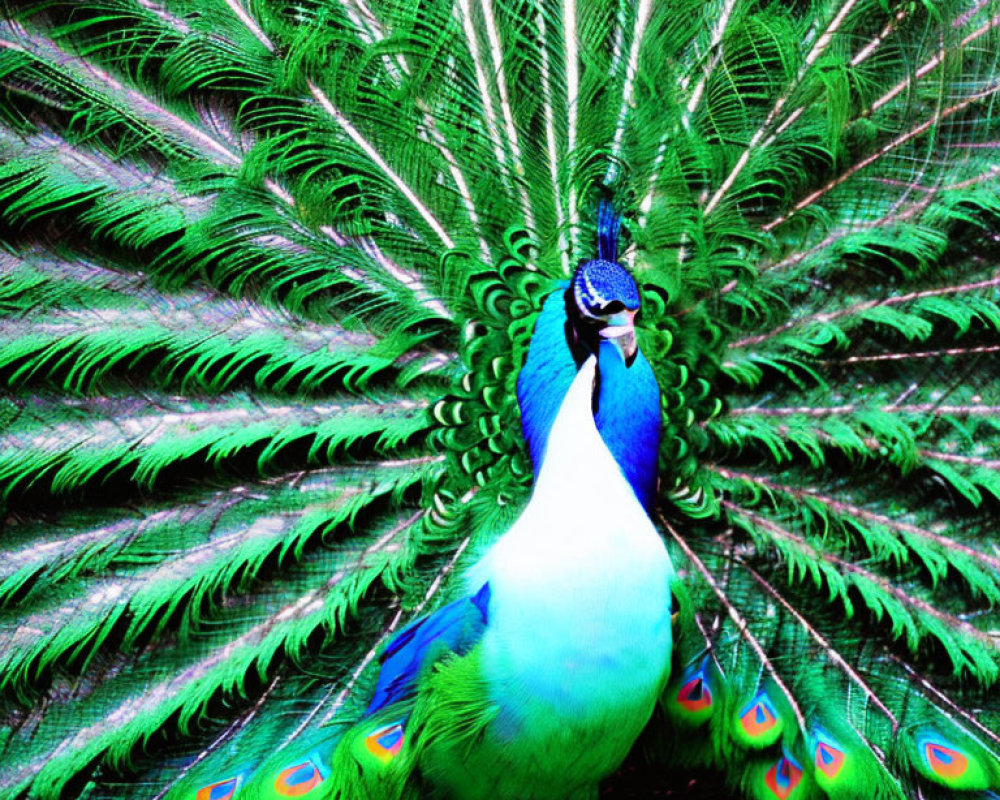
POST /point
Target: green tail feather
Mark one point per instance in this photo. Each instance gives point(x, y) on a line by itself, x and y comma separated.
point(374, 759)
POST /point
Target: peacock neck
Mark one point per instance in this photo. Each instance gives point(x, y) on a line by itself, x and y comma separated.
point(627, 413)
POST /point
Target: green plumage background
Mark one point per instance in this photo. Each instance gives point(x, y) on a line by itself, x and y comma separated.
point(268, 271)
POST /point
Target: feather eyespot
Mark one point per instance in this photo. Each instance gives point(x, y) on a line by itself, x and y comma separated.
point(385, 743)
point(783, 777)
point(298, 779)
point(955, 765)
point(947, 763)
point(759, 716)
point(695, 695)
point(221, 790)
point(829, 760)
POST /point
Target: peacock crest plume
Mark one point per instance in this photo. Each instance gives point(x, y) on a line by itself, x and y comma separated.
point(269, 274)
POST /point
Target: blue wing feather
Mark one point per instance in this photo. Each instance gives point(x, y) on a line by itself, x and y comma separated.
point(455, 628)
point(546, 375)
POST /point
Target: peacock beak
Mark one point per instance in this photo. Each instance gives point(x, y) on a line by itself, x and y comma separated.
point(620, 331)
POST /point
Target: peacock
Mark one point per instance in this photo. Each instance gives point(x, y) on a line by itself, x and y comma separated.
point(308, 310)
point(538, 682)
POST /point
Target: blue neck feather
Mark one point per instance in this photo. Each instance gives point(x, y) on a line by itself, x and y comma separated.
point(546, 376)
point(628, 403)
point(628, 418)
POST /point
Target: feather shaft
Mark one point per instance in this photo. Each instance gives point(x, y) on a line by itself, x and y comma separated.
point(355, 135)
point(918, 130)
point(824, 643)
point(741, 623)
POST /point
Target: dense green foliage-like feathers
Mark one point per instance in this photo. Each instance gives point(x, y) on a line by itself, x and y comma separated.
point(268, 271)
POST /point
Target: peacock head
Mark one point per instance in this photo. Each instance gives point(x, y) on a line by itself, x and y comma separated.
point(601, 304)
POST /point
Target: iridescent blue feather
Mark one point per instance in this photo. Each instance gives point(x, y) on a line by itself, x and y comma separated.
point(454, 628)
point(628, 419)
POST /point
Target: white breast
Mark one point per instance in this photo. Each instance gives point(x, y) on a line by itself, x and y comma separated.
point(579, 615)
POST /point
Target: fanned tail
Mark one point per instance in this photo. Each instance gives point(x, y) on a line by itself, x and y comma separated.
point(268, 272)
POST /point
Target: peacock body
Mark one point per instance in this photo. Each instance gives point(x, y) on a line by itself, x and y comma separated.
point(576, 642)
point(269, 275)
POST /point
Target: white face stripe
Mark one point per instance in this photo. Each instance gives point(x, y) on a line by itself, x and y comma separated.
point(593, 294)
point(581, 303)
point(590, 288)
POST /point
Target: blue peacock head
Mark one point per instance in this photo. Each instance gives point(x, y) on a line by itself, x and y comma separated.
point(602, 302)
point(602, 299)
